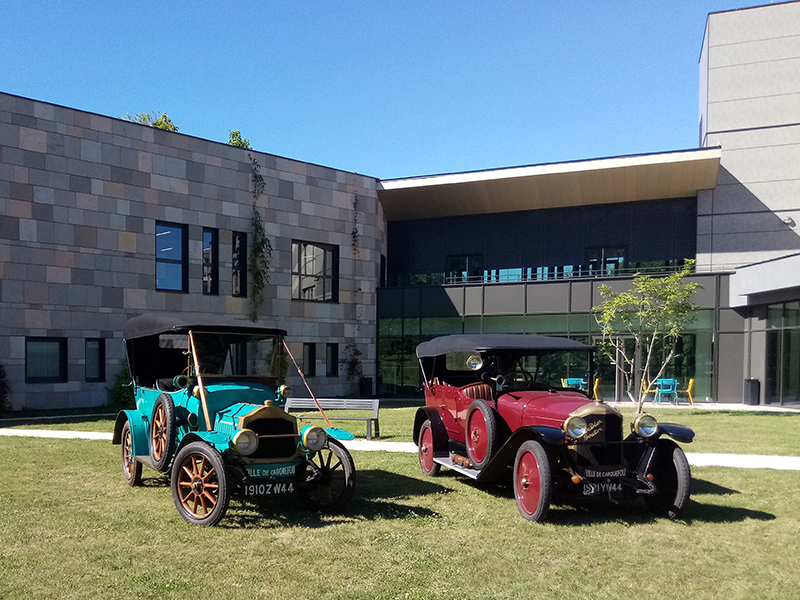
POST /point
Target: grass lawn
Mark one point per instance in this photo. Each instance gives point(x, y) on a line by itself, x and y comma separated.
point(717, 431)
point(70, 528)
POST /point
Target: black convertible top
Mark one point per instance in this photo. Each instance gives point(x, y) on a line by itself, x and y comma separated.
point(155, 323)
point(495, 341)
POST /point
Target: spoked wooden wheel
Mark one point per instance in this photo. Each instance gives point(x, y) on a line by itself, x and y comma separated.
point(425, 450)
point(532, 481)
point(329, 480)
point(131, 468)
point(162, 432)
point(200, 484)
point(481, 433)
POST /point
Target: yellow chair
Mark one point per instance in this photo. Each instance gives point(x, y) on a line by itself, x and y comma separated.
point(596, 383)
point(688, 391)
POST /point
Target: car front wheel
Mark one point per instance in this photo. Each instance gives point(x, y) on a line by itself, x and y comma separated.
point(200, 485)
point(328, 481)
point(672, 478)
point(532, 481)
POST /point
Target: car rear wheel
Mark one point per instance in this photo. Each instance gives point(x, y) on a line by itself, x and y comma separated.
point(131, 468)
point(162, 432)
point(200, 484)
point(425, 450)
point(532, 481)
point(481, 433)
point(672, 478)
point(328, 482)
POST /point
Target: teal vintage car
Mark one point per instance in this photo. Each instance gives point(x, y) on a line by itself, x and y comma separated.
point(210, 414)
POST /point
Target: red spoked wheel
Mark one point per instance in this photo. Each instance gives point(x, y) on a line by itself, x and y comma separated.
point(200, 484)
point(532, 481)
point(425, 450)
point(481, 433)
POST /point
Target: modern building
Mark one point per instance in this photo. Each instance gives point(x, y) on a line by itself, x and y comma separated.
point(102, 219)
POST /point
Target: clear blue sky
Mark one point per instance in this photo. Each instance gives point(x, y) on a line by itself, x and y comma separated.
point(388, 89)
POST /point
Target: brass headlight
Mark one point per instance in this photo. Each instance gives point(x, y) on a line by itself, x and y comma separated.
point(284, 391)
point(314, 438)
point(574, 427)
point(645, 425)
point(245, 441)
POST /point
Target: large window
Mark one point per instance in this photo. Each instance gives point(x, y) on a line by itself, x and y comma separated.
point(239, 264)
point(315, 272)
point(210, 261)
point(332, 360)
point(95, 359)
point(45, 360)
point(464, 268)
point(172, 250)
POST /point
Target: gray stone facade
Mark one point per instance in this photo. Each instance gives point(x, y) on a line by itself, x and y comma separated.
point(80, 196)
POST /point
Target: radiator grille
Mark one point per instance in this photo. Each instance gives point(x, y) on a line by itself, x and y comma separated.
point(273, 447)
point(596, 451)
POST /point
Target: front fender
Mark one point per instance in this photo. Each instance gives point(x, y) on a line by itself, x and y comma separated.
point(679, 433)
point(139, 425)
point(440, 437)
point(219, 441)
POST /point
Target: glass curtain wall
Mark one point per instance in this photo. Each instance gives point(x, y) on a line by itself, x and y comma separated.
point(783, 353)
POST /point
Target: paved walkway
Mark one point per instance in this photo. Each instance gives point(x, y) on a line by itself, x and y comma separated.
point(744, 461)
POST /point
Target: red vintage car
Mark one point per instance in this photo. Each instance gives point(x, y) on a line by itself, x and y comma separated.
point(500, 401)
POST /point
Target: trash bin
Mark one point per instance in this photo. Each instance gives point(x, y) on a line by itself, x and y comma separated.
point(752, 391)
point(365, 387)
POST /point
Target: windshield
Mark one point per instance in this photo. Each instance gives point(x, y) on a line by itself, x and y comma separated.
point(527, 371)
point(245, 355)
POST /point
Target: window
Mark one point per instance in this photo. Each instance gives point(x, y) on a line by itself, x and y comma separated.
point(95, 359)
point(239, 264)
point(605, 261)
point(172, 249)
point(310, 359)
point(464, 268)
point(315, 272)
point(45, 360)
point(332, 360)
point(211, 261)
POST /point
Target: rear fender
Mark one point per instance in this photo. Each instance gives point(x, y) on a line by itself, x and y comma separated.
point(139, 431)
point(440, 438)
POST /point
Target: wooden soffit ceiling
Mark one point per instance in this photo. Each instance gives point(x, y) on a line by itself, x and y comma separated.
point(601, 181)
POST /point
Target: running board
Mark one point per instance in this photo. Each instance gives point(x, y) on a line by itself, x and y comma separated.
point(446, 461)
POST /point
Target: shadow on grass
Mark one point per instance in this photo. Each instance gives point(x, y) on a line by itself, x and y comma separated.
point(701, 486)
point(375, 491)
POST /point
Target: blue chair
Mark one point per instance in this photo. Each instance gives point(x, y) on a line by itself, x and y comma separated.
point(667, 387)
point(576, 382)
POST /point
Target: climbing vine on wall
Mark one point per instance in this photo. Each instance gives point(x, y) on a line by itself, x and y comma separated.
point(261, 253)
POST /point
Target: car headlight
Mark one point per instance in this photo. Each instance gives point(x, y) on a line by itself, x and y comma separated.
point(314, 438)
point(245, 441)
point(284, 391)
point(645, 425)
point(575, 427)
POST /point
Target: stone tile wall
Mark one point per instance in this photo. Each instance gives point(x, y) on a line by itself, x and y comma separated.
point(80, 195)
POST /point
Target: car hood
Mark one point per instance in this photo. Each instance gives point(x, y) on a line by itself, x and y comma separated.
point(527, 408)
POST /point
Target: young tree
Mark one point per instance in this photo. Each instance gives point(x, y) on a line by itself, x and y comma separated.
point(235, 139)
point(656, 309)
point(153, 120)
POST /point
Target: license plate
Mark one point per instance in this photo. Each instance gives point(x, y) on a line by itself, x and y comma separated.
point(593, 489)
point(265, 489)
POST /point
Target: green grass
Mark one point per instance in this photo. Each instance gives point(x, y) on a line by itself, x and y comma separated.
point(70, 528)
point(717, 431)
